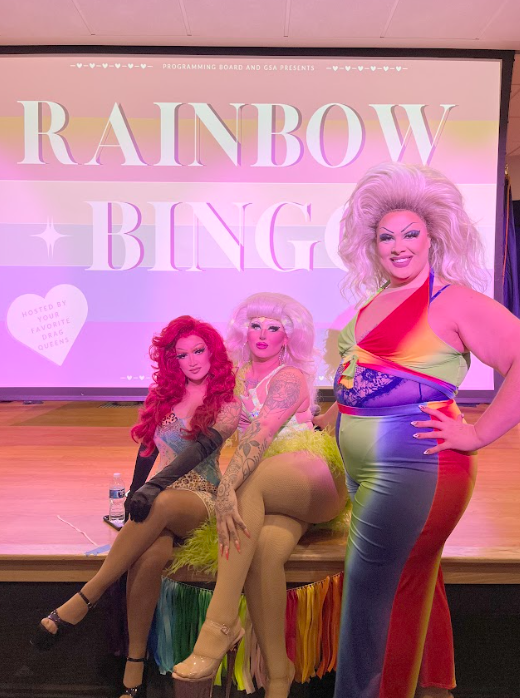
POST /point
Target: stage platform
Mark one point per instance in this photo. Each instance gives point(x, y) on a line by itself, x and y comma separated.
point(57, 459)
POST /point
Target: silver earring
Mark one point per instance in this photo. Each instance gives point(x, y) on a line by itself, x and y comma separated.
point(283, 352)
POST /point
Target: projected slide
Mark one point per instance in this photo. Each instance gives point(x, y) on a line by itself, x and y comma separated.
point(138, 188)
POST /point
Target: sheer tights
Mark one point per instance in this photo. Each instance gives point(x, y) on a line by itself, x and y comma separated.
point(265, 587)
point(298, 489)
point(143, 549)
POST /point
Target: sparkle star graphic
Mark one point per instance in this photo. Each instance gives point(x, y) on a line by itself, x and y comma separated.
point(50, 236)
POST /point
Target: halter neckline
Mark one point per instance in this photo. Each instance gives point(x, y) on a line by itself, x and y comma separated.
point(269, 375)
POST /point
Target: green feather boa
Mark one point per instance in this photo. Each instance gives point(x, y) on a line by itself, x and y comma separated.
point(200, 550)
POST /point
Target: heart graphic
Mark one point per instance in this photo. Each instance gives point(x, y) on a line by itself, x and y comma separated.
point(118, 65)
point(334, 67)
point(360, 67)
point(141, 378)
point(79, 65)
point(49, 326)
point(372, 68)
point(105, 65)
point(398, 68)
point(130, 65)
point(143, 65)
point(92, 65)
point(347, 67)
point(129, 378)
point(385, 68)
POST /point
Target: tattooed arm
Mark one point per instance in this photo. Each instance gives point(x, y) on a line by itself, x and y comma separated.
point(287, 392)
point(227, 419)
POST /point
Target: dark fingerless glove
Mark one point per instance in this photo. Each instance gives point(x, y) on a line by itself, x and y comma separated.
point(198, 450)
point(142, 468)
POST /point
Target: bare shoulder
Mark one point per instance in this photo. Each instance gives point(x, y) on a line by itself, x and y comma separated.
point(462, 298)
point(477, 315)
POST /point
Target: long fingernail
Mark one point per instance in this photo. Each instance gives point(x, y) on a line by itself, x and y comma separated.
point(221, 550)
point(414, 424)
point(416, 436)
point(227, 553)
point(247, 533)
point(427, 452)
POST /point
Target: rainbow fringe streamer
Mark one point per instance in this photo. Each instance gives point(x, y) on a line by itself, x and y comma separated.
point(311, 630)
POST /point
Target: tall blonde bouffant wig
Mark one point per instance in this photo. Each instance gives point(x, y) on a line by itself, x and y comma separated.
point(297, 323)
point(456, 252)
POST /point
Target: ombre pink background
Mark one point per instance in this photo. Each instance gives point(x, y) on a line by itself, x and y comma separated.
point(126, 307)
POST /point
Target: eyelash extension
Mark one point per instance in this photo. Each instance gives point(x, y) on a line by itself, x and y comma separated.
point(201, 350)
point(256, 326)
point(411, 234)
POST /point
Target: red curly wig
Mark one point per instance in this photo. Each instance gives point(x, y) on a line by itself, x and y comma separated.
point(170, 383)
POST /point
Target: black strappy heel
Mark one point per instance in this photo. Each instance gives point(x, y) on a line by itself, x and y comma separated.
point(136, 691)
point(44, 639)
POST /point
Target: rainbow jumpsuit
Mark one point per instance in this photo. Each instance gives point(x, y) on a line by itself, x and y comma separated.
point(396, 628)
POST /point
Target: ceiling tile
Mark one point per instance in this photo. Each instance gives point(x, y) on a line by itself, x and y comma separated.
point(513, 133)
point(236, 18)
point(513, 150)
point(462, 19)
point(339, 18)
point(31, 18)
point(516, 72)
point(505, 25)
point(133, 17)
point(514, 106)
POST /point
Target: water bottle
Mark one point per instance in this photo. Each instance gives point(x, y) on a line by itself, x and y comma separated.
point(116, 511)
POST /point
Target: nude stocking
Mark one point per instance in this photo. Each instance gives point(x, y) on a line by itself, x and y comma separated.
point(178, 511)
point(142, 591)
point(265, 588)
point(296, 485)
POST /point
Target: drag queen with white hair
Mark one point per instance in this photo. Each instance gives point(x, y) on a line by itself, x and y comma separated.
point(409, 455)
point(283, 477)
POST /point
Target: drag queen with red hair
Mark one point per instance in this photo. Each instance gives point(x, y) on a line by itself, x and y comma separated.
point(189, 412)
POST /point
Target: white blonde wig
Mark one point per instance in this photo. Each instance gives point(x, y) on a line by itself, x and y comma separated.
point(296, 321)
point(456, 252)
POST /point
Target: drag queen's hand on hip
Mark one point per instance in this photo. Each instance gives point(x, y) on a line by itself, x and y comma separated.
point(228, 518)
point(453, 432)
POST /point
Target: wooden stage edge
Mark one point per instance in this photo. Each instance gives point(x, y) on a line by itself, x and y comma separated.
point(299, 570)
point(67, 453)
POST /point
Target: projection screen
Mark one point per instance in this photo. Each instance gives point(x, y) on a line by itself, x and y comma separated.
point(136, 188)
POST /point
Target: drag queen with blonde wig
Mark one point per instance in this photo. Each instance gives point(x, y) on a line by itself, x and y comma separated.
point(409, 455)
point(283, 477)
